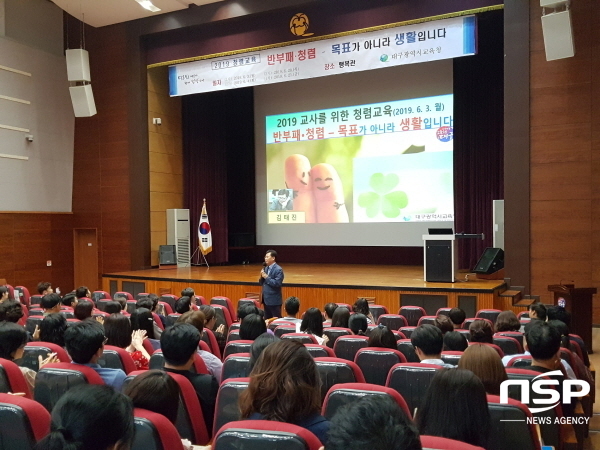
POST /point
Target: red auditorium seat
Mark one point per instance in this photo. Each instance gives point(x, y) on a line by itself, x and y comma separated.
point(375, 363)
point(412, 314)
point(489, 314)
point(319, 351)
point(248, 301)
point(377, 310)
point(154, 432)
point(345, 305)
point(393, 321)
point(157, 361)
point(274, 324)
point(513, 334)
point(24, 296)
point(209, 337)
point(23, 422)
point(12, 379)
point(225, 303)
point(342, 394)
point(444, 311)
point(236, 365)
point(405, 347)
point(411, 380)
point(509, 345)
point(335, 371)
point(234, 335)
point(191, 423)
point(407, 331)
point(39, 348)
point(241, 346)
point(346, 347)
point(266, 435)
point(284, 329)
point(304, 338)
point(426, 320)
point(117, 358)
point(510, 429)
point(124, 294)
point(451, 357)
point(226, 406)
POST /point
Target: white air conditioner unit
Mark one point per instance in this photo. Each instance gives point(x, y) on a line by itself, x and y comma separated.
point(178, 234)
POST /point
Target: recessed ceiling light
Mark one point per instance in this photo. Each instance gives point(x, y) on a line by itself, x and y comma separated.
point(147, 4)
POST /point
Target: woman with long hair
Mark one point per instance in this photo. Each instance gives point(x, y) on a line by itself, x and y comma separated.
point(507, 321)
point(252, 326)
point(211, 323)
point(155, 391)
point(118, 332)
point(358, 324)
point(312, 323)
point(484, 362)
point(285, 387)
point(340, 317)
point(361, 306)
point(142, 319)
point(382, 337)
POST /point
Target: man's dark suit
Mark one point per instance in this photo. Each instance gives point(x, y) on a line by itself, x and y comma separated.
point(271, 290)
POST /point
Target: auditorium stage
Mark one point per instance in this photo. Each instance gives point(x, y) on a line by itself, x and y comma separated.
point(318, 284)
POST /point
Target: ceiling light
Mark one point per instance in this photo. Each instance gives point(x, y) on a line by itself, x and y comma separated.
point(147, 4)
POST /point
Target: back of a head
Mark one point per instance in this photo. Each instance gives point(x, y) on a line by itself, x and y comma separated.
point(81, 292)
point(330, 309)
point(457, 316)
point(428, 338)
point(195, 318)
point(361, 306)
point(188, 292)
point(259, 344)
point(340, 318)
point(444, 323)
point(312, 322)
point(52, 329)
point(382, 337)
point(12, 337)
point(49, 301)
point(178, 343)
point(542, 340)
point(4, 291)
point(42, 286)
point(358, 323)
point(183, 305)
point(145, 302)
point(246, 309)
point(156, 391)
point(83, 309)
point(455, 341)
point(69, 299)
point(112, 307)
point(83, 340)
point(292, 306)
point(539, 309)
point(507, 321)
point(209, 312)
point(455, 407)
point(284, 384)
point(78, 413)
point(374, 422)
point(484, 362)
point(481, 331)
point(252, 327)
point(11, 311)
point(556, 312)
point(142, 319)
point(117, 329)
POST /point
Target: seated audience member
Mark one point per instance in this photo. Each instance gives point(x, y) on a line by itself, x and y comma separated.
point(52, 329)
point(361, 306)
point(252, 326)
point(312, 323)
point(481, 331)
point(151, 305)
point(444, 323)
point(258, 346)
point(11, 311)
point(329, 310)
point(537, 310)
point(83, 310)
point(142, 319)
point(13, 339)
point(70, 300)
point(122, 301)
point(45, 288)
point(507, 321)
point(542, 341)
point(457, 316)
point(382, 337)
point(374, 422)
point(455, 407)
point(213, 364)
point(188, 292)
point(113, 307)
point(155, 391)
point(3, 294)
point(245, 309)
point(50, 303)
point(183, 305)
point(583, 372)
point(340, 318)
point(484, 362)
point(455, 341)
point(291, 307)
point(84, 342)
point(179, 344)
point(118, 332)
point(358, 324)
point(83, 292)
point(90, 417)
point(428, 343)
point(211, 323)
point(285, 387)
point(556, 312)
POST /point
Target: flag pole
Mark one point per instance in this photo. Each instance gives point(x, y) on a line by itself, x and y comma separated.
point(204, 236)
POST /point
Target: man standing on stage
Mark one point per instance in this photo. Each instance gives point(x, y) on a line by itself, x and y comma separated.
point(271, 279)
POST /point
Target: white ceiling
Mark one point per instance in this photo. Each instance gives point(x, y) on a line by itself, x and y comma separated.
point(99, 13)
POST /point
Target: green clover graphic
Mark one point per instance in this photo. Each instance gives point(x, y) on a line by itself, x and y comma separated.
point(389, 202)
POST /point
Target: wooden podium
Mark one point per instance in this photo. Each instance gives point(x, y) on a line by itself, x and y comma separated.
point(578, 301)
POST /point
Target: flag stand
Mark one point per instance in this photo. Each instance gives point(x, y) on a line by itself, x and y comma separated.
point(199, 264)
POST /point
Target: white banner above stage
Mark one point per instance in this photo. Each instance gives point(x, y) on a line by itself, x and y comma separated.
point(410, 44)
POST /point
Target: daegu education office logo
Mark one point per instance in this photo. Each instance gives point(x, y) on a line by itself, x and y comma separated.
point(299, 25)
point(571, 389)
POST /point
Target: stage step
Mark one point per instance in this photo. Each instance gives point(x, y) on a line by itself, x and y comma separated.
point(513, 294)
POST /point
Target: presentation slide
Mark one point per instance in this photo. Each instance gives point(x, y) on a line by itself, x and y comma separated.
point(381, 162)
point(361, 159)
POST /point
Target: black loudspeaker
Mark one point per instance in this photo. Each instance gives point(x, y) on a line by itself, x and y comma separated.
point(166, 254)
point(492, 260)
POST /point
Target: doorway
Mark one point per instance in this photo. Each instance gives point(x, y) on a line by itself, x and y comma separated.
point(85, 258)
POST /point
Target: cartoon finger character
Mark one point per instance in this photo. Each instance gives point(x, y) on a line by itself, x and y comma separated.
point(329, 194)
point(297, 177)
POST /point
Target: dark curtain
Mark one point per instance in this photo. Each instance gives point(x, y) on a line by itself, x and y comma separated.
point(479, 137)
point(218, 142)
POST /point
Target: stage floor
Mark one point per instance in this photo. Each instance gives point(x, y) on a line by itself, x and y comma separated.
point(348, 276)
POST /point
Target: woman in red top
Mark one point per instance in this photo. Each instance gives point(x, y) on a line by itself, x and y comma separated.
point(117, 329)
